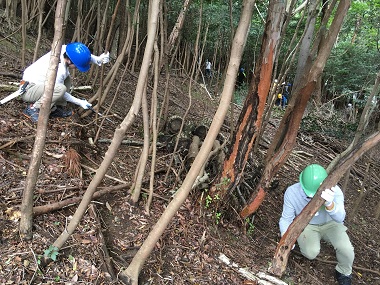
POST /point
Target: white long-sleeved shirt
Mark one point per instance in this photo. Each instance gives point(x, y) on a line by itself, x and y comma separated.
point(37, 72)
point(295, 200)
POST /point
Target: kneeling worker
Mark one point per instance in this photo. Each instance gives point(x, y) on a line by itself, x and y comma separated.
point(327, 223)
point(73, 55)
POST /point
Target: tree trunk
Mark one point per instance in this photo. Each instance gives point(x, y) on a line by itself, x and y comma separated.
point(287, 241)
point(285, 137)
point(40, 4)
point(78, 25)
point(363, 123)
point(250, 119)
point(304, 53)
point(178, 26)
point(132, 272)
point(123, 24)
point(153, 127)
point(26, 221)
point(24, 19)
point(118, 136)
point(140, 171)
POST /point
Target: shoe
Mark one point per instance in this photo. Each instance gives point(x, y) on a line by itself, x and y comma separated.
point(59, 112)
point(343, 279)
point(32, 113)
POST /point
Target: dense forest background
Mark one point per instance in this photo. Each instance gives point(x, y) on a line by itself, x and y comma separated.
point(348, 75)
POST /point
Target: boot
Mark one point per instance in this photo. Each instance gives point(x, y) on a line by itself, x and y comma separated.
point(343, 279)
point(59, 112)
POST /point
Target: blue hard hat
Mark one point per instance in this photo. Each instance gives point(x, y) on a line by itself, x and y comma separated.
point(80, 55)
point(241, 69)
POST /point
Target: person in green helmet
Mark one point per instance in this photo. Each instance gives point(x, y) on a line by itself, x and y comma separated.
point(327, 223)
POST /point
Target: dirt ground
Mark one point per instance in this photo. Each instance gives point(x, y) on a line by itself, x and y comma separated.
point(188, 251)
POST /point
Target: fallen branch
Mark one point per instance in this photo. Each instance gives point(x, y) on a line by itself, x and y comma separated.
point(126, 142)
point(16, 140)
point(260, 277)
point(108, 176)
point(39, 210)
point(105, 254)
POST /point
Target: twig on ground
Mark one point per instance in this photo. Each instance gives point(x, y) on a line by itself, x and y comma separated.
point(105, 256)
point(16, 140)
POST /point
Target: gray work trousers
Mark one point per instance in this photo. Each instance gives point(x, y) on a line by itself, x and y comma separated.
point(34, 94)
point(334, 233)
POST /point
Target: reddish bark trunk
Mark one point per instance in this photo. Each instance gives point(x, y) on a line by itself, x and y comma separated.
point(250, 120)
point(285, 137)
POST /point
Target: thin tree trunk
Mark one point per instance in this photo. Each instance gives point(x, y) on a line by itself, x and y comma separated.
point(41, 4)
point(118, 135)
point(123, 24)
point(153, 127)
point(137, 45)
point(26, 221)
point(193, 71)
point(78, 25)
point(24, 19)
point(174, 35)
point(136, 190)
point(132, 272)
point(365, 188)
point(111, 76)
point(100, 91)
point(363, 123)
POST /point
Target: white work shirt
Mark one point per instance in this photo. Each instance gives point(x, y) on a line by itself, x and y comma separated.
point(295, 200)
point(37, 71)
point(208, 65)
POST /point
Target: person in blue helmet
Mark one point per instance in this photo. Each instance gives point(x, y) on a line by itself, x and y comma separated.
point(74, 55)
point(241, 77)
point(327, 223)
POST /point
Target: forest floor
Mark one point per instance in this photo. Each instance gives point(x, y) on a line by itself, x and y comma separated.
point(188, 251)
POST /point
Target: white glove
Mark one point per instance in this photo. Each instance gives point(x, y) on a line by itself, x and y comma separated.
point(328, 195)
point(85, 104)
point(101, 59)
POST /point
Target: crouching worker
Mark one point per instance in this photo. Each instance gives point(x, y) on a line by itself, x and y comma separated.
point(327, 223)
point(73, 55)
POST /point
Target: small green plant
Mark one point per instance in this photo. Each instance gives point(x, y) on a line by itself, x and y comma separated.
point(226, 181)
point(208, 201)
point(251, 226)
point(217, 217)
point(51, 252)
point(57, 278)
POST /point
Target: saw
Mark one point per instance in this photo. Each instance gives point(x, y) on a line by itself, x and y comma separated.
point(15, 94)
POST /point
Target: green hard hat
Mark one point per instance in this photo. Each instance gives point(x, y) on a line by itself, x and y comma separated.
point(311, 178)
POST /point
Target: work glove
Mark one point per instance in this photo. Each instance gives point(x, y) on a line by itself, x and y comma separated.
point(85, 104)
point(101, 59)
point(328, 195)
